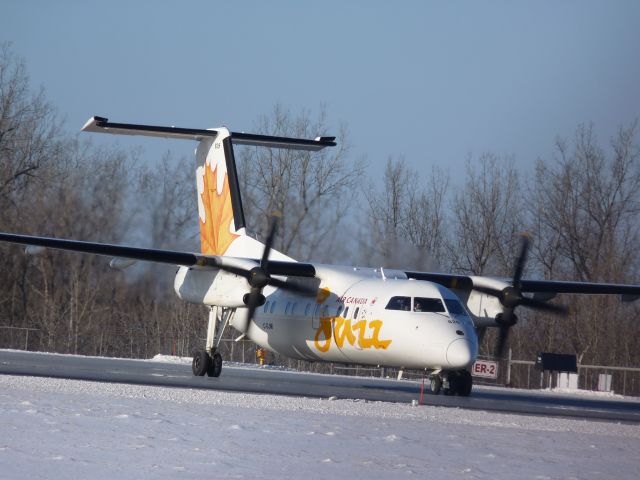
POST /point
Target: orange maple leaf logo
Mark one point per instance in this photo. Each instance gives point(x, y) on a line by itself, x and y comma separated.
point(215, 234)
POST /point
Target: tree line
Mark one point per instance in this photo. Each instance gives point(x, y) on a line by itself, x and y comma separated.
point(581, 207)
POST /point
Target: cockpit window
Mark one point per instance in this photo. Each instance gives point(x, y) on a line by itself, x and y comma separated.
point(399, 303)
point(422, 304)
point(455, 307)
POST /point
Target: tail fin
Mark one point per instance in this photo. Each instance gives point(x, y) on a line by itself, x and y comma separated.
point(222, 224)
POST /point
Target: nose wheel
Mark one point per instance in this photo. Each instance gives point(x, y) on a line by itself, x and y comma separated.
point(458, 382)
point(436, 384)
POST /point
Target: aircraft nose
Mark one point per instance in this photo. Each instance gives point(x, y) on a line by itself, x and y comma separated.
point(459, 353)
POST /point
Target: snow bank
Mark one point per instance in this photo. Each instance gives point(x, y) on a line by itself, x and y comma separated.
point(588, 393)
point(55, 428)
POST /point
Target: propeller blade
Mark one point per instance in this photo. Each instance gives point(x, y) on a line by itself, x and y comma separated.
point(254, 302)
point(269, 243)
point(522, 259)
point(540, 305)
point(502, 341)
point(494, 292)
point(242, 272)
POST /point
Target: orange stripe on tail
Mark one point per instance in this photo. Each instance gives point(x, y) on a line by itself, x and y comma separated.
point(216, 229)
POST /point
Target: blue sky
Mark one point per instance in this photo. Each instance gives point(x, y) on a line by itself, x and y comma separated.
point(434, 81)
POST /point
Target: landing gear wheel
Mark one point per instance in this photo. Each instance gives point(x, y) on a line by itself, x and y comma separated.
point(436, 384)
point(215, 365)
point(452, 380)
point(200, 363)
point(464, 383)
point(459, 382)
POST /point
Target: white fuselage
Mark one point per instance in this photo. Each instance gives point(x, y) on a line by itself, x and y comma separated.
point(359, 316)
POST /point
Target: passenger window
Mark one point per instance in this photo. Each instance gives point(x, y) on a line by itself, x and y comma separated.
point(346, 313)
point(286, 309)
point(273, 306)
point(399, 303)
point(266, 307)
point(355, 314)
point(293, 308)
point(423, 304)
point(339, 310)
point(306, 310)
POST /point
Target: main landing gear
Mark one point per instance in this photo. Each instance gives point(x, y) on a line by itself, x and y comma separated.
point(458, 382)
point(209, 361)
point(204, 363)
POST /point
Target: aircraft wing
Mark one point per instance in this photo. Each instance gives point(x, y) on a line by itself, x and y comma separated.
point(628, 292)
point(186, 259)
point(550, 287)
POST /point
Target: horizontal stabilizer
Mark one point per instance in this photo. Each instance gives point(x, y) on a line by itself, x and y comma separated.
point(103, 125)
point(282, 142)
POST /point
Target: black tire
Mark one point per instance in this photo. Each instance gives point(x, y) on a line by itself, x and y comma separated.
point(215, 365)
point(452, 379)
point(436, 385)
point(464, 383)
point(200, 363)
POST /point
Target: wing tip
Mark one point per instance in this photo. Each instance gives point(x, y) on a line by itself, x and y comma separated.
point(93, 124)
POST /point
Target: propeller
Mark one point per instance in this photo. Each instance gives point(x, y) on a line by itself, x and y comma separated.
point(511, 297)
point(258, 277)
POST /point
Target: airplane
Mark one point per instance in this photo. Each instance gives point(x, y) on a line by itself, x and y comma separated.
point(317, 312)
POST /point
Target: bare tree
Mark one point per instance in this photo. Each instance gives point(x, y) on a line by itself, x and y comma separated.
point(489, 214)
point(29, 130)
point(586, 219)
point(427, 223)
point(167, 196)
point(406, 218)
point(311, 190)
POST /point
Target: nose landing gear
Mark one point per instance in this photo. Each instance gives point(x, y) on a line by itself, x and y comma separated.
point(436, 384)
point(457, 382)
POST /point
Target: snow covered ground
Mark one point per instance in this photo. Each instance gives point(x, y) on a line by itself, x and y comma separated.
point(54, 429)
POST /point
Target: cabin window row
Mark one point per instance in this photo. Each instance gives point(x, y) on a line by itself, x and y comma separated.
point(291, 308)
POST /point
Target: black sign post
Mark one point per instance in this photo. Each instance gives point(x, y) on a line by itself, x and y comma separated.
point(555, 362)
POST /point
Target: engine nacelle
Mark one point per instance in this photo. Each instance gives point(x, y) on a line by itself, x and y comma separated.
point(211, 287)
point(484, 308)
